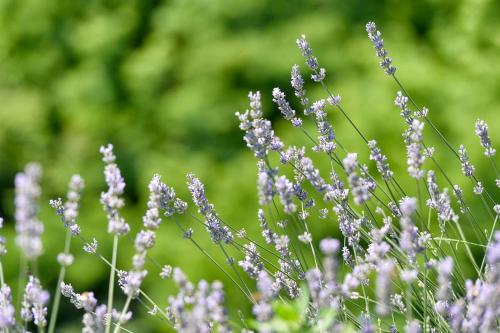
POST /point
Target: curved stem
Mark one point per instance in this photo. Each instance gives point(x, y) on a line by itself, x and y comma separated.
point(57, 296)
point(112, 282)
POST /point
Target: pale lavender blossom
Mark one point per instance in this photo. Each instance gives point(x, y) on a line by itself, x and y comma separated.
point(65, 259)
point(397, 301)
point(482, 133)
point(34, 304)
point(112, 199)
point(380, 160)
point(304, 169)
point(445, 270)
point(297, 83)
point(7, 310)
point(467, 167)
point(252, 264)
point(413, 327)
point(91, 248)
point(263, 310)
point(69, 211)
point(478, 188)
point(311, 61)
point(376, 38)
point(329, 246)
point(218, 232)
point(284, 189)
point(385, 271)
point(259, 135)
point(358, 185)
point(401, 101)
point(439, 201)
point(28, 227)
point(197, 308)
point(166, 272)
point(415, 150)
point(265, 183)
point(94, 319)
point(267, 233)
point(409, 237)
point(327, 135)
point(305, 237)
point(130, 282)
point(161, 198)
point(280, 99)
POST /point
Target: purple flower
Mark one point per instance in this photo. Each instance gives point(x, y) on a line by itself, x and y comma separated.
point(284, 188)
point(380, 160)
point(280, 100)
point(297, 83)
point(482, 133)
point(112, 199)
point(7, 310)
point(252, 264)
point(33, 306)
point(259, 135)
point(217, 231)
point(376, 38)
point(383, 287)
point(467, 167)
point(28, 228)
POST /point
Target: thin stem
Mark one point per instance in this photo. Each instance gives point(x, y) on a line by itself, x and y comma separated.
point(57, 296)
point(2, 281)
point(112, 281)
point(23, 266)
point(489, 241)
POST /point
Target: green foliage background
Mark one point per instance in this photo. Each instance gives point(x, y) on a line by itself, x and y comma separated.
point(161, 80)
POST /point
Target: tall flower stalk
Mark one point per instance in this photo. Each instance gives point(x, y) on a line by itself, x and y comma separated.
point(112, 201)
point(69, 213)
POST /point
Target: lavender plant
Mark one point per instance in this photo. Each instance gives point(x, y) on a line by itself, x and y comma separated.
point(396, 266)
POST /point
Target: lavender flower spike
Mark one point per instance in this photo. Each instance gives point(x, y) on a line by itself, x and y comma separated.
point(297, 83)
point(482, 133)
point(358, 184)
point(280, 100)
point(7, 310)
point(311, 61)
point(217, 231)
point(380, 160)
point(28, 228)
point(33, 306)
point(467, 167)
point(259, 135)
point(414, 148)
point(376, 38)
point(112, 200)
point(69, 211)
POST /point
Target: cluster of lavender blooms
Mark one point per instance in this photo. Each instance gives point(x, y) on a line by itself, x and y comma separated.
point(396, 267)
point(197, 308)
point(161, 198)
point(407, 260)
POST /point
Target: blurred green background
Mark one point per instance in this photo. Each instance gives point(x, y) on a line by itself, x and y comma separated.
point(161, 80)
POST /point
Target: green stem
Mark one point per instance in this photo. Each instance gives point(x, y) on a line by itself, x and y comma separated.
point(23, 265)
point(489, 241)
point(125, 309)
point(111, 282)
point(2, 282)
point(57, 296)
point(467, 249)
